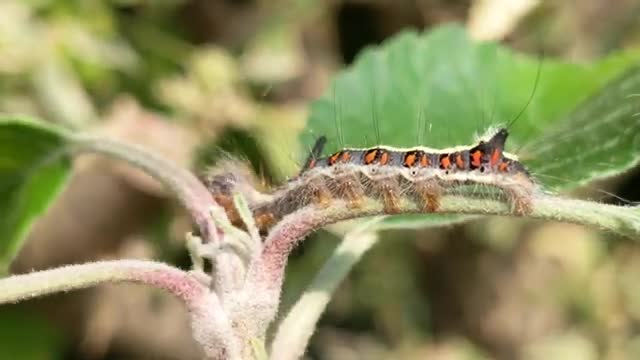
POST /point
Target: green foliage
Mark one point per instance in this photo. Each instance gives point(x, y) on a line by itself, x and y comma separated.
point(600, 139)
point(27, 337)
point(441, 88)
point(32, 172)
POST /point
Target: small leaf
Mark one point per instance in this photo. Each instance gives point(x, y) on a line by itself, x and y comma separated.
point(32, 172)
point(439, 89)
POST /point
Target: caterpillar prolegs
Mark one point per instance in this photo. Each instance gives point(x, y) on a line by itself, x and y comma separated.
point(419, 174)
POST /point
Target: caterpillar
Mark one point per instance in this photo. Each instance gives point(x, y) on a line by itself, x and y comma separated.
point(388, 174)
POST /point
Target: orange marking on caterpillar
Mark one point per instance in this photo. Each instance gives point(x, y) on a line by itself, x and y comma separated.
point(409, 159)
point(370, 156)
point(333, 159)
point(346, 156)
point(503, 166)
point(459, 161)
point(445, 162)
point(495, 157)
point(384, 158)
point(476, 158)
point(424, 160)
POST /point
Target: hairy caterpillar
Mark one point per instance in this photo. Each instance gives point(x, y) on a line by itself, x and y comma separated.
point(419, 174)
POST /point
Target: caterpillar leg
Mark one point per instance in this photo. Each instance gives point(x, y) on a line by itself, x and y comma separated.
point(519, 195)
point(349, 188)
point(320, 194)
point(390, 193)
point(519, 200)
point(226, 202)
point(264, 221)
point(429, 193)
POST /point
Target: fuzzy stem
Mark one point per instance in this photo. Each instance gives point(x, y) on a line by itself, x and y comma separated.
point(269, 269)
point(210, 324)
point(25, 286)
point(296, 329)
point(189, 190)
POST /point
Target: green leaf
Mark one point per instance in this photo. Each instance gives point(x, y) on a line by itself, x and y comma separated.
point(440, 89)
point(601, 138)
point(32, 172)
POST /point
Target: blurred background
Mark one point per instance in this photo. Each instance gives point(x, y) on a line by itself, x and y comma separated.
point(187, 78)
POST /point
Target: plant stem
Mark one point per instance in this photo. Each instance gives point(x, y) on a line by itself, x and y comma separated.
point(269, 269)
point(189, 190)
point(210, 324)
point(296, 329)
point(622, 220)
point(25, 286)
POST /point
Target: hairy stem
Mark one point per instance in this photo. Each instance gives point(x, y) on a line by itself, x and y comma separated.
point(296, 226)
point(22, 287)
point(189, 190)
point(211, 327)
point(296, 329)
